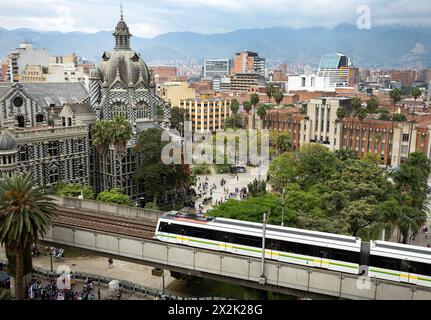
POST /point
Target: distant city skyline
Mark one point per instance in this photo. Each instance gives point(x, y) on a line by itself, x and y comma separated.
point(152, 18)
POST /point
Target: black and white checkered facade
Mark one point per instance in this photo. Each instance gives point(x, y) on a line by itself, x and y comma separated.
point(122, 85)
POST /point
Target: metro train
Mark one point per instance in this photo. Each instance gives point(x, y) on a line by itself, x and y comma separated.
point(377, 259)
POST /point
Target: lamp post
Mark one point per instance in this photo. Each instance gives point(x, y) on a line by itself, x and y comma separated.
point(282, 208)
point(262, 279)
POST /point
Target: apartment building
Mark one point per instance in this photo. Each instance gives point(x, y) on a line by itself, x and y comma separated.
point(206, 113)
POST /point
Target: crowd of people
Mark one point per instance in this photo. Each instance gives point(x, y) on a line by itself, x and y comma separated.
point(36, 290)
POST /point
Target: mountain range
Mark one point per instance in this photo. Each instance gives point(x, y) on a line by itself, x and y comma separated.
point(385, 47)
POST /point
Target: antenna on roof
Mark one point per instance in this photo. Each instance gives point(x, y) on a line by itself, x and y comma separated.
point(121, 9)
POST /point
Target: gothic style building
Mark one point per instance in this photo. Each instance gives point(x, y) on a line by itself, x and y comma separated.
point(46, 128)
point(122, 85)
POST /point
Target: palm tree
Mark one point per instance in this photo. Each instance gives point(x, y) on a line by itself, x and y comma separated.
point(26, 214)
point(395, 95)
point(278, 96)
point(416, 93)
point(234, 106)
point(261, 111)
point(270, 92)
point(247, 106)
point(101, 132)
point(362, 115)
point(372, 105)
point(254, 100)
point(357, 107)
point(121, 133)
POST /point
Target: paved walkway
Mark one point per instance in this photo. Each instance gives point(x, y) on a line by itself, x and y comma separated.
point(121, 270)
point(233, 181)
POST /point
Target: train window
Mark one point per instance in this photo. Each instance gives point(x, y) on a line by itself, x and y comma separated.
point(423, 268)
point(195, 232)
point(321, 252)
point(287, 246)
point(304, 249)
point(247, 240)
point(170, 228)
point(272, 244)
point(405, 266)
point(227, 237)
point(385, 262)
point(163, 227)
point(344, 255)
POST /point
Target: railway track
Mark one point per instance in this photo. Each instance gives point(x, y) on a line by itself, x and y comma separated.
point(105, 223)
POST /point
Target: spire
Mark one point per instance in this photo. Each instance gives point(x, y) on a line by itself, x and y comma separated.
point(122, 34)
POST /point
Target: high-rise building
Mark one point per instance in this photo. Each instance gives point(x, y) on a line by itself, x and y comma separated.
point(336, 67)
point(206, 114)
point(243, 81)
point(249, 62)
point(216, 68)
point(23, 56)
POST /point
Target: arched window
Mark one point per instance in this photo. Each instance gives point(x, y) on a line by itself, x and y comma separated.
point(39, 118)
point(21, 121)
point(119, 109)
point(144, 111)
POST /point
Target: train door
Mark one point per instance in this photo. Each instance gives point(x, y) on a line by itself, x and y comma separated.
point(227, 240)
point(181, 235)
point(413, 272)
point(408, 272)
point(272, 249)
point(321, 257)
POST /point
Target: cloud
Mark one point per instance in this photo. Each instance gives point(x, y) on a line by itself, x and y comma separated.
point(150, 18)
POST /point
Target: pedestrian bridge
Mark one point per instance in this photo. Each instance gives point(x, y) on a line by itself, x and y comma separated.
point(280, 277)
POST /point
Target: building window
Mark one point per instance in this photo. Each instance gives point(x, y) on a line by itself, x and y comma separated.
point(18, 102)
point(69, 122)
point(405, 138)
point(404, 149)
point(39, 118)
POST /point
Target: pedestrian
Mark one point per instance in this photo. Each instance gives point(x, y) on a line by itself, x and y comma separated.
point(110, 263)
point(428, 245)
point(98, 294)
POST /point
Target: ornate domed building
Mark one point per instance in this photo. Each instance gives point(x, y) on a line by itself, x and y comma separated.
point(121, 84)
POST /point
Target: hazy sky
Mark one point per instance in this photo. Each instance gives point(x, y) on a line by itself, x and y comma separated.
point(150, 18)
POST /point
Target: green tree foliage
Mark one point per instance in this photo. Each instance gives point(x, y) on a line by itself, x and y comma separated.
point(332, 192)
point(115, 196)
point(234, 106)
point(178, 116)
point(247, 106)
point(399, 117)
point(252, 209)
point(372, 105)
point(341, 113)
point(278, 96)
point(283, 143)
point(256, 188)
point(26, 214)
point(270, 90)
point(261, 111)
point(156, 177)
point(234, 122)
point(201, 170)
point(74, 190)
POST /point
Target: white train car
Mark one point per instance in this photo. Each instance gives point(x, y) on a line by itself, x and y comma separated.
point(400, 263)
point(297, 246)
